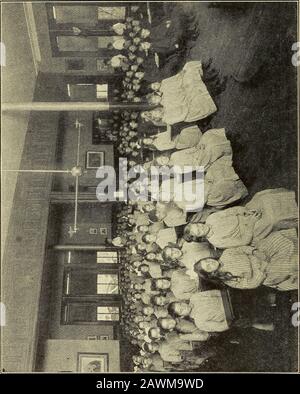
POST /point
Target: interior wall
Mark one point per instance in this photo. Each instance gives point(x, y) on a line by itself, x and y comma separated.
point(62, 355)
point(69, 151)
point(90, 216)
point(57, 330)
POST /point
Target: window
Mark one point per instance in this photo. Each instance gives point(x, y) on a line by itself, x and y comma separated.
point(76, 44)
point(103, 41)
point(90, 293)
point(92, 257)
point(111, 13)
point(108, 313)
point(107, 257)
point(75, 14)
point(107, 284)
point(102, 92)
point(90, 313)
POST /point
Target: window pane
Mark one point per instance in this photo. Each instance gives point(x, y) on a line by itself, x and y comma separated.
point(107, 289)
point(82, 313)
point(103, 41)
point(111, 317)
point(86, 14)
point(107, 279)
point(111, 12)
point(102, 91)
point(107, 260)
point(77, 44)
point(80, 257)
point(82, 283)
point(108, 313)
point(82, 92)
point(107, 257)
point(107, 309)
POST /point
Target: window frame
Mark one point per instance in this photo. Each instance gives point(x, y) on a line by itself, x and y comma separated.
point(102, 28)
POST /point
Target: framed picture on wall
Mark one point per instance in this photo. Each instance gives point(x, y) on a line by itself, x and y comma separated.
point(103, 230)
point(92, 362)
point(94, 160)
point(104, 67)
point(98, 337)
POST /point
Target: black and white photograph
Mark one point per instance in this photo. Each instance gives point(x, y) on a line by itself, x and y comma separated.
point(149, 187)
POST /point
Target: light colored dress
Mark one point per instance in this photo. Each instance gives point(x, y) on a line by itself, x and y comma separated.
point(182, 286)
point(212, 145)
point(235, 227)
point(208, 311)
point(188, 137)
point(230, 228)
point(165, 236)
point(273, 262)
point(185, 96)
point(279, 211)
point(193, 252)
point(162, 141)
point(281, 250)
point(222, 185)
point(154, 269)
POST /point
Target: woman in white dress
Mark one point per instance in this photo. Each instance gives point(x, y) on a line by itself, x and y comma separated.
point(212, 145)
point(221, 186)
point(273, 262)
point(185, 96)
point(187, 138)
point(269, 210)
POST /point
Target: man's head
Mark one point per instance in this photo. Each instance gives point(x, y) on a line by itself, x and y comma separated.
point(171, 253)
point(167, 323)
point(179, 308)
point(148, 310)
point(162, 283)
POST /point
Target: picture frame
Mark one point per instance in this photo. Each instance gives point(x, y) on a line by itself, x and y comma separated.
point(104, 68)
point(103, 231)
point(92, 362)
point(94, 160)
point(98, 338)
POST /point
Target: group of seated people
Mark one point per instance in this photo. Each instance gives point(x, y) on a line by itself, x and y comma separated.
point(144, 54)
point(178, 262)
point(175, 262)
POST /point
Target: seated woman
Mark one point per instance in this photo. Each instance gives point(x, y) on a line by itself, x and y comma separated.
point(221, 186)
point(162, 238)
point(187, 254)
point(273, 262)
point(187, 138)
point(205, 309)
point(212, 145)
point(180, 284)
point(176, 349)
point(267, 211)
point(185, 96)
